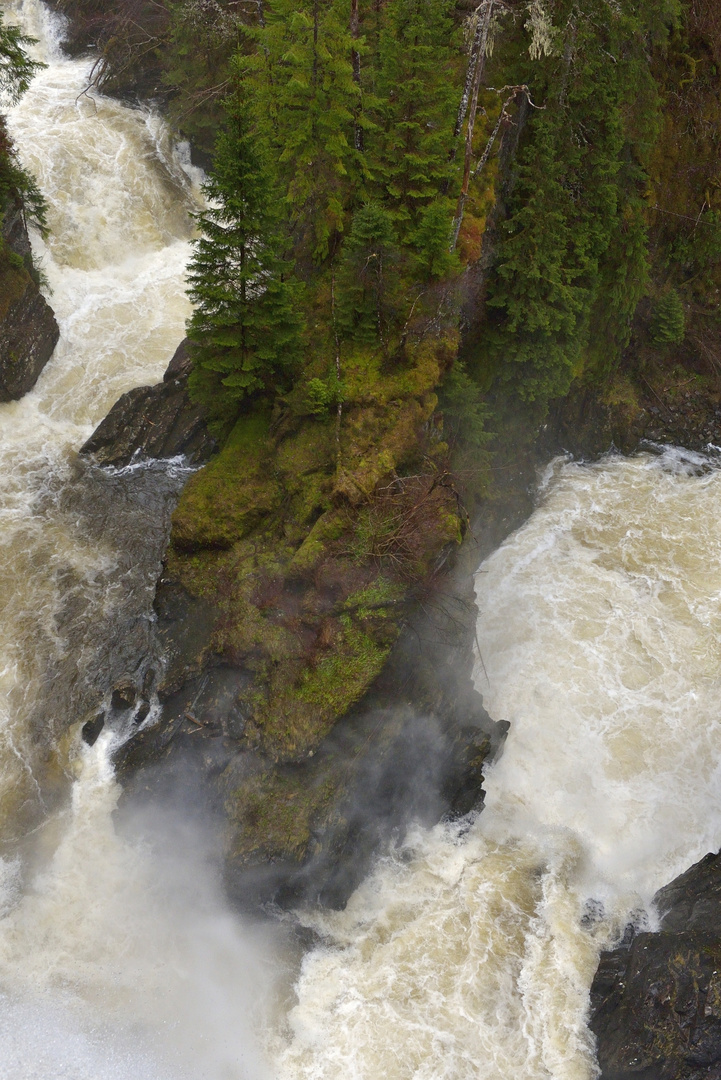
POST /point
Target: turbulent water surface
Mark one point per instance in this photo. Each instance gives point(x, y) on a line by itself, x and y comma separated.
point(469, 952)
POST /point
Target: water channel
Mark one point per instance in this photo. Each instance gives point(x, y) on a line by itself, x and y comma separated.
point(469, 951)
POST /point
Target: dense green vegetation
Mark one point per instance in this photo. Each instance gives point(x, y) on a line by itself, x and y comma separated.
point(427, 220)
point(352, 107)
point(18, 189)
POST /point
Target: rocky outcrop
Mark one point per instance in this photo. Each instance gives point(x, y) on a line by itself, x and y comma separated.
point(28, 330)
point(656, 1000)
point(154, 422)
point(305, 829)
point(317, 704)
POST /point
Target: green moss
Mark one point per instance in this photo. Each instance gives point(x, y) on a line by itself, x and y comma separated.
point(283, 544)
point(14, 281)
point(328, 528)
point(229, 497)
point(381, 594)
point(273, 814)
point(296, 718)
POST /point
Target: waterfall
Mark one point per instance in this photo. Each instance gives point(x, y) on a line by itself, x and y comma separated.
point(469, 950)
point(116, 961)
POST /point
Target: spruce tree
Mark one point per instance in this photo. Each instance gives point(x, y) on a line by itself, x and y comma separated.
point(668, 320)
point(368, 277)
point(310, 105)
point(245, 329)
point(417, 86)
point(16, 67)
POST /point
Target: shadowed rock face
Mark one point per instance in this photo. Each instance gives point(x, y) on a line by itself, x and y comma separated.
point(656, 1000)
point(154, 421)
point(28, 330)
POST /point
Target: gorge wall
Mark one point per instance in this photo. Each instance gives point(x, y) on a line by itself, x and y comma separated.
point(28, 330)
point(315, 612)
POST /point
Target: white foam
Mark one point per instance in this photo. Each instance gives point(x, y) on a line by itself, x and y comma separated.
point(472, 952)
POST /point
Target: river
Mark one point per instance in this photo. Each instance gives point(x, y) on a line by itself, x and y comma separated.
point(470, 949)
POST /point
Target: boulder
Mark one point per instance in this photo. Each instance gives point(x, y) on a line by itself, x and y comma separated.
point(28, 330)
point(656, 999)
point(125, 694)
point(154, 422)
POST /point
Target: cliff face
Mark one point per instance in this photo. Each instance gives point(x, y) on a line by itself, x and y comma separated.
point(316, 683)
point(28, 330)
point(656, 1000)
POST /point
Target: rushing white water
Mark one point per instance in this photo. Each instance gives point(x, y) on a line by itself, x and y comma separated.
point(469, 952)
point(115, 960)
point(114, 260)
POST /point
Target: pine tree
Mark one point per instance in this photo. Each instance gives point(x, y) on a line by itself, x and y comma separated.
point(16, 67)
point(417, 86)
point(310, 105)
point(430, 241)
point(245, 329)
point(668, 321)
point(367, 281)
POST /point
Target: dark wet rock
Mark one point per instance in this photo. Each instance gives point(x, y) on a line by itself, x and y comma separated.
point(149, 679)
point(656, 1000)
point(587, 424)
point(154, 422)
point(91, 730)
point(413, 749)
point(28, 330)
point(125, 694)
point(142, 713)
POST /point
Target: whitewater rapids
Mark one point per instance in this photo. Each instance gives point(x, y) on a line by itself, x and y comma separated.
point(468, 953)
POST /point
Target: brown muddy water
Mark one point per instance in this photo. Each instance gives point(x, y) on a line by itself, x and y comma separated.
point(469, 951)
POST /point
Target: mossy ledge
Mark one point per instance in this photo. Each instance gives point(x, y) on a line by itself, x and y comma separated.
point(297, 557)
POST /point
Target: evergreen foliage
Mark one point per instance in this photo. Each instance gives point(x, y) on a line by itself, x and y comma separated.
point(308, 104)
point(17, 185)
point(367, 282)
point(16, 67)
point(245, 328)
point(464, 410)
point(668, 321)
point(201, 39)
point(366, 222)
point(418, 87)
point(572, 263)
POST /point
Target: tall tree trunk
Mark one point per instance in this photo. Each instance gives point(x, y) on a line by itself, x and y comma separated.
point(465, 97)
point(485, 27)
point(355, 61)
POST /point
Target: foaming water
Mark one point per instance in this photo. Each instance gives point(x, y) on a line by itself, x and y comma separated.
point(117, 958)
point(114, 260)
point(470, 951)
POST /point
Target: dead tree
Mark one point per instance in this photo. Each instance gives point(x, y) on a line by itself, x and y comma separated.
point(485, 15)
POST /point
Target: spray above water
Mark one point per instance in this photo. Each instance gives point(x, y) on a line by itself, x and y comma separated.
point(471, 951)
point(116, 960)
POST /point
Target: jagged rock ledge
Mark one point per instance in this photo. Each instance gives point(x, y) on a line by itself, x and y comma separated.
point(28, 330)
point(303, 822)
point(656, 1000)
point(154, 422)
